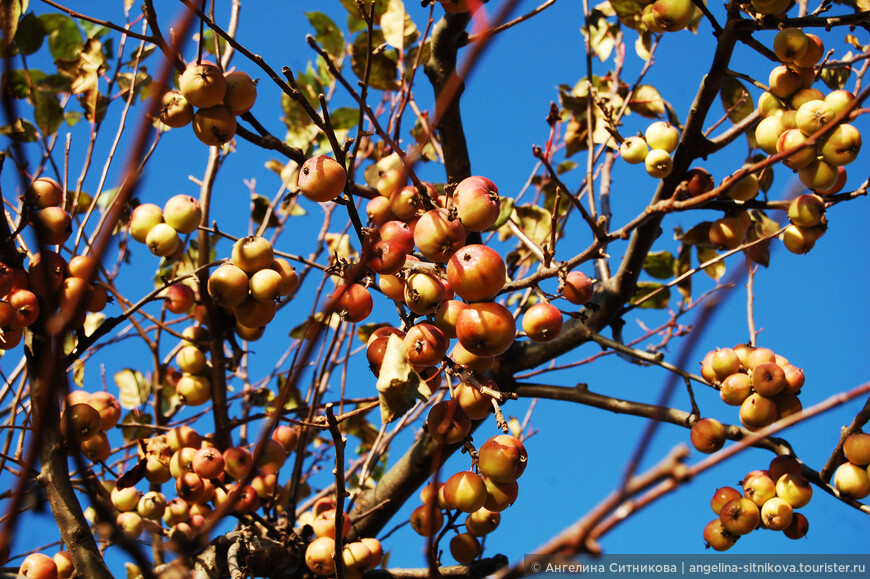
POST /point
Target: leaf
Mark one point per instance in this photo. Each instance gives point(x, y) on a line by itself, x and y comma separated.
point(327, 34)
point(647, 102)
point(601, 34)
point(383, 66)
point(565, 166)
point(698, 235)
point(261, 207)
point(628, 11)
point(836, 78)
point(738, 103)
point(93, 320)
point(716, 270)
point(79, 373)
point(338, 244)
point(643, 45)
point(534, 221)
point(21, 130)
point(657, 302)
point(505, 210)
point(47, 112)
point(84, 73)
point(659, 264)
point(353, 8)
point(364, 331)
point(18, 83)
point(399, 385)
point(682, 265)
point(307, 329)
point(30, 34)
point(64, 37)
point(134, 389)
point(10, 12)
point(399, 30)
point(130, 426)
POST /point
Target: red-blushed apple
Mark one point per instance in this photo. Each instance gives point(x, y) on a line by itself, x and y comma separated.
point(447, 315)
point(427, 345)
point(740, 516)
point(476, 404)
point(376, 550)
point(108, 406)
point(352, 302)
point(735, 389)
point(427, 520)
point(718, 537)
point(476, 272)
point(759, 488)
point(727, 233)
point(38, 566)
point(783, 464)
point(447, 422)
point(179, 298)
point(271, 456)
point(44, 192)
point(841, 146)
point(237, 462)
point(422, 293)
point(856, 447)
point(477, 203)
point(502, 458)
point(798, 528)
point(356, 556)
point(143, 218)
point(252, 253)
point(97, 448)
point(182, 461)
point(500, 495)
point(208, 462)
point(228, 285)
point(707, 435)
point(757, 411)
point(722, 496)
point(768, 379)
point(287, 436)
point(486, 328)
point(321, 178)
point(542, 322)
point(437, 235)
point(790, 44)
point(407, 203)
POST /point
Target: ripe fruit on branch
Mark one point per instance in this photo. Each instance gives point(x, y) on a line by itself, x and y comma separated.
point(464, 548)
point(662, 135)
point(407, 203)
point(447, 422)
point(252, 253)
point(790, 139)
point(53, 225)
point(839, 99)
point(446, 316)
point(633, 150)
point(542, 322)
point(757, 411)
point(423, 293)
point(502, 458)
point(465, 491)
point(759, 487)
point(717, 537)
point(659, 163)
point(743, 189)
point(485, 329)
point(477, 203)
point(806, 210)
point(813, 115)
point(108, 406)
point(208, 462)
point(724, 362)
point(194, 389)
point(321, 178)
point(798, 528)
point(856, 447)
point(708, 435)
point(266, 285)
point(799, 240)
point(241, 93)
point(175, 111)
point(776, 514)
point(143, 218)
point(38, 566)
point(578, 288)
point(790, 44)
point(183, 213)
point(427, 345)
point(475, 272)
point(722, 496)
point(318, 556)
point(387, 257)
point(727, 233)
point(214, 125)
point(852, 481)
point(162, 240)
point(437, 235)
point(80, 422)
point(427, 520)
point(228, 285)
point(767, 133)
point(768, 379)
point(841, 146)
point(288, 274)
point(795, 489)
point(482, 522)
point(202, 84)
point(352, 302)
point(740, 516)
point(818, 175)
point(784, 81)
point(813, 54)
point(44, 192)
point(672, 15)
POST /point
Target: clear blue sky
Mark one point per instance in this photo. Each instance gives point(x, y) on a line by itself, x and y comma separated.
point(810, 308)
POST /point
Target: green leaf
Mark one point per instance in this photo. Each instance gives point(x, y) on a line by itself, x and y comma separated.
point(836, 78)
point(134, 389)
point(354, 12)
point(505, 210)
point(643, 45)
point(130, 426)
point(64, 37)
point(47, 112)
point(30, 34)
point(399, 385)
point(566, 166)
point(628, 11)
point(327, 34)
point(21, 130)
point(383, 66)
point(84, 73)
point(10, 12)
point(738, 103)
point(682, 265)
point(657, 302)
point(698, 235)
point(659, 264)
point(18, 83)
point(344, 118)
point(399, 30)
point(716, 270)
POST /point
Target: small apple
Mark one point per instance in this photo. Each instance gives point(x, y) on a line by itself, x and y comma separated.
point(659, 163)
point(776, 514)
point(662, 135)
point(502, 458)
point(215, 125)
point(183, 213)
point(633, 150)
point(321, 178)
point(465, 491)
point(740, 516)
point(795, 489)
point(708, 435)
point(202, 84)
point(852, 481)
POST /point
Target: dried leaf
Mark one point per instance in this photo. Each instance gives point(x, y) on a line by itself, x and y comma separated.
point(10, 12)
point(399, 30)
point(399, 385)
point(534, 221)
point(716, 270)
point(134, 389)
point(647, 102)
point(682, 265)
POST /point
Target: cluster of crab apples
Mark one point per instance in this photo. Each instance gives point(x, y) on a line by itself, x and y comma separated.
point(763, 384)
point(49, 283)
point(209, 99)
point(852, 477)
point(768, 500)
point(358, 556)
point(653, 148)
